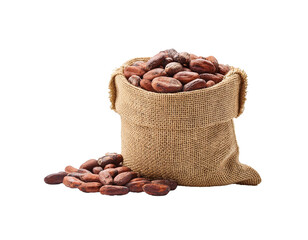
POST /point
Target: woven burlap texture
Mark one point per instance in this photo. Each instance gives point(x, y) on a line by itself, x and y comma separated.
point(186, 136)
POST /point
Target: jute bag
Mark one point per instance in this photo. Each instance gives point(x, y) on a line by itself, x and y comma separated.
point(185, 136)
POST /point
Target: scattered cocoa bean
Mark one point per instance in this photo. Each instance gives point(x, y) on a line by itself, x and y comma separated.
point(89, 165)
point(113, 190)
point(114, 159)
point(71, 182)
point(171, 183)
point(124, 177)
point(76, 174)
point(55, 178)
point(113, 172)
point(110, 166)
point(90, 177)
point(97, 170)
point(70, 169)
point(90, 187)
point(123, 169)
point(136, 186)
point(138, 179)
point(166, 85)
point(105, 178)
point(156, 189)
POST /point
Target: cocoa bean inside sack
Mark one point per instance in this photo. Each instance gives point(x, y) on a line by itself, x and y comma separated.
point(170, 72)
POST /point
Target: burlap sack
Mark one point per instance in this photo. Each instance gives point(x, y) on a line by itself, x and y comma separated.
point(186, 136)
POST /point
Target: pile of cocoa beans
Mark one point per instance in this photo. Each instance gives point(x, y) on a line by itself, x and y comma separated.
point(108, 176)
point(170, 72)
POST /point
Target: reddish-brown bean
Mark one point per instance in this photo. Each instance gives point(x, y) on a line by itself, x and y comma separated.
point(90, 177)
point(166, 85)
point(124, 177)
point(89, 165)
point(147, 85)
point(55, 178)
point(71, 182)
point(156, 189)
point(90, 187)
point(113, 190)
point(202, 66)
point(186, 77)
point(156, 72)
point(133, 70)
point(194, 85)
point(105, 178)
point(171, 183)
point(97, 170)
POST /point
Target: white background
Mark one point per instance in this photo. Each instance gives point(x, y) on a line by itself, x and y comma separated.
point(56, 58)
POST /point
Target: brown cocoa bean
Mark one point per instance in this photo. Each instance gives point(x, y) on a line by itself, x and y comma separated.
point(156, 72)
point(171, 53)
point(138, 179)
point(124, 177)
point(71, 182)
point(110, 166)
point(156, 189)
point(105, 178)
point(186, 77)
point(113, 172)
point(185, 69)
point(134, 80)
point(140, 64)
point(113, 190)
point(97, 170)
point(114, 159)
point(214, 77)
point(123, 169)
point(76, 174)
point(171, 183)
point(55, 178)
point(202, 66)
point(210, 83)
point(136, 186)
point(214, 61)
point(89, 165)
point(70, 169)
point(194, 85)
point(133, 70)
point(223, 69)
point(167, 61)
point(155, 61)
point(90, 177)
point(147, 85)
point(83, 171)
point(193, 57)
point(90, 187)
point(166, 85)
point(173, 68)
point(183, 58)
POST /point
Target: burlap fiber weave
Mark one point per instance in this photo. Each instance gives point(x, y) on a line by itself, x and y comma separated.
point(186, 136)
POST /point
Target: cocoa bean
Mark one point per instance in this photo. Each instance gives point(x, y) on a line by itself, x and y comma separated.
point(114, 159)
point(83, 171)
point(186, 77)
point(167, 61)
point(70, 169)
point(90, 177)
point(113, 190)
point(147, 85)
point(124, 177)
point(171, 183)
point(185, 69)
point(173, 68)
point(71, 182)
point(210, 83)
point(155, 61)
point(134, 80)
point(214, 61)
point(89, 165)
point(193, 57)
point(166, 85)
point(194, 85)
point(90, 187)
point(183, 58)
point(140, 64)
point(110, 166)
point(123, 169)
point(97, 170)
point(105, 178)
point(55, 178)
point(76, 174)
point(138, 179)
point(223, 69)
point(171, 53)
point(202, 66)
point(214, 77)
point(156, 72)
point(136, 186)
point(156, 189)
point(113, 172)
point(133, 70)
